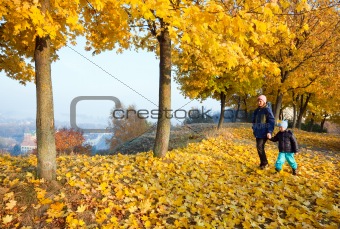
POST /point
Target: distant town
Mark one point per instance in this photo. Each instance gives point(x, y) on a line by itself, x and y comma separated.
point(18, 137)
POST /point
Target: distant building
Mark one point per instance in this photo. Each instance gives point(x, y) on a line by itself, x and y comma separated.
point(29, 143)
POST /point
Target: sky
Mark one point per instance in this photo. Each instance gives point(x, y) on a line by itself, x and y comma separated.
point(132, 77)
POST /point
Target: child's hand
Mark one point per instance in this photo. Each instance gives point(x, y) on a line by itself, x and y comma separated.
point(269, 136)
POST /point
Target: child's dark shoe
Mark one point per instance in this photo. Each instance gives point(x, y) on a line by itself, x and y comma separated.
point(263, 166)
point(277, 170)
point(294, 171)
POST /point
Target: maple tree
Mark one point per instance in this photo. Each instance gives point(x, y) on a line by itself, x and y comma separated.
point(35, 30)
point(309, 45)
point(323, 104)
point(69, 141)
point(12, 61)
point(14, 66)
point(312, 89)
point(310, 85)
point(140, 15)
point(241, 102)
point(155, 26)
point(46, 150)
point(224, 61)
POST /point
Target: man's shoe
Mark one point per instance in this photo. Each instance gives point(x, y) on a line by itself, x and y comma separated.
point(294, 171)
point(264, 166)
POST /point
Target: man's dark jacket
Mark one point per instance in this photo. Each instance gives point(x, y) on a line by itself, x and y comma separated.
point(287, 141)
point(263, 122)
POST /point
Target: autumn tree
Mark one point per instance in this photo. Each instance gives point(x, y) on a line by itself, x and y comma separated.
point(205, 33)
point(224, 61)
point(69, 141)
point(312, 89)
point(12, 60)
point(13, 64)
point(308, 39)
point(324, 104)
point(34, 31)
point(241, 101)
point(127, 124)
point(155, 26)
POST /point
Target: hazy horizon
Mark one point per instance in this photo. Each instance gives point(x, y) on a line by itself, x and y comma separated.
point(132, 77)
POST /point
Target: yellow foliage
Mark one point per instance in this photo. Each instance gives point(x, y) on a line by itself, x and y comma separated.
point(7, 219)
point(81, 208)
point(57, 206)
point(23, 21)
point(212, 184)
point(11, 204)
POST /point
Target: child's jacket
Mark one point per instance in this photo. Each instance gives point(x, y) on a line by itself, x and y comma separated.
point(287, 141)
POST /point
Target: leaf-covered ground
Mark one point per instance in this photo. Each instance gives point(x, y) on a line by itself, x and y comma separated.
point(211, 184)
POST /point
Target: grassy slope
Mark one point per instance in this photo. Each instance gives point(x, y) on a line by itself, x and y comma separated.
point(214, 183)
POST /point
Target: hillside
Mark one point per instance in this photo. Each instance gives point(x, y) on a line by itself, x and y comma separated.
point(213, 183)
point(181, 136)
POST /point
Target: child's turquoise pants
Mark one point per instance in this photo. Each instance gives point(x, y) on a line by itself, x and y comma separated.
point(283, 157)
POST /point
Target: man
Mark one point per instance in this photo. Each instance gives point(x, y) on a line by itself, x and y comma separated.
point(263, 125)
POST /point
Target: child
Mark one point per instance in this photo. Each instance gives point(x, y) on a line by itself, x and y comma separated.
point(287, 147)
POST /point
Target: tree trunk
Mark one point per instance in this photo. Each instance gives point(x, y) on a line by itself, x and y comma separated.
point(311, 124)
point(294, 116)
point(279, 98)
point(294, 112)
point(303, 108)
point(323, 122)
point(238, 109)
point(163, 123)
point(278, 105)
point(46, 148)
point(300, 113)
point(221, 120)
point(245, 108)
point(281, 114)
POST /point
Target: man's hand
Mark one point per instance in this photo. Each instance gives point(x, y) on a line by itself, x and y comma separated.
point(269, 135)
